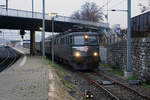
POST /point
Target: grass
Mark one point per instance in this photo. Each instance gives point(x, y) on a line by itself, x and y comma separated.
point(67, 83)
point(61, 74)
point(132, 78)
point(146, 85)
point(116, 71)
point(105, 65)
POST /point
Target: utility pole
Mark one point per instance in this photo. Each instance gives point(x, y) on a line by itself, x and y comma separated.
point(128, 72)
point(7, 5)
point(32, 8)
point(53, 15)
point(52, 40)
point(43, 35)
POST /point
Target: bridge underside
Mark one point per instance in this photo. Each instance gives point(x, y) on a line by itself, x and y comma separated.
point(8, 22)
point(32, 24)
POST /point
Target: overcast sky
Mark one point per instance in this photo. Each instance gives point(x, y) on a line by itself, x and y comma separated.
point(67, 7)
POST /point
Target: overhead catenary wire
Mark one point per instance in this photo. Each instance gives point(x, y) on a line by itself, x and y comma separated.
point(120, 2)
point(106, 3)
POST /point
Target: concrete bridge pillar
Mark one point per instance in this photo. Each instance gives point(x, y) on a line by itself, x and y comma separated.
point(32, 42)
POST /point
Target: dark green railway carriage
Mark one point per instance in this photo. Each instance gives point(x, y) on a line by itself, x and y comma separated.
point(79, 49)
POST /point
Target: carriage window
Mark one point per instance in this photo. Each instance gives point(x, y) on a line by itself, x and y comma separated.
point(92, 40)
point(70, 40)
point(65, 40)
point(61, 41)
point(57, 42)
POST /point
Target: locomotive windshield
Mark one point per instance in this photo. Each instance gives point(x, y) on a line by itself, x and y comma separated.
point(80, 40)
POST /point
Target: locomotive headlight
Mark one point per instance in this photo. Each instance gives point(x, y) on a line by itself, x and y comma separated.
point(77, 54)
point(87, 96)
point(95, 54)
point(86, 36)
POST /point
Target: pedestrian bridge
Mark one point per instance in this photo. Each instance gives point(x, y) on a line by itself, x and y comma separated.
point(32, 21)
point(26, 20)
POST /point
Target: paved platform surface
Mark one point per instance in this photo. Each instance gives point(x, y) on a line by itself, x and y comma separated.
point(22, 50)
point(27, 79)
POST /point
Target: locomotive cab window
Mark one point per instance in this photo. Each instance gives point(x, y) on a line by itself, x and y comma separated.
point(78, 40)
point(85, 40)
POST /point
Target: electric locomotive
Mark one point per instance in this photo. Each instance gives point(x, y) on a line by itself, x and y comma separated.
point(78, 49)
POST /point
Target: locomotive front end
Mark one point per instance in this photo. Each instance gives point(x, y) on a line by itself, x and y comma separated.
point(85, 52)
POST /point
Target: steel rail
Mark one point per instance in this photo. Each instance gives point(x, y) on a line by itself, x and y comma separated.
point(5, 58)
point(10, 60)
point(5, 63)
point(13, 59)
point(123, 85)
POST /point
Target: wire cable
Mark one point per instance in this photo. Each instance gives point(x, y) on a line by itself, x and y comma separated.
point(120, 2)
point(106, 3)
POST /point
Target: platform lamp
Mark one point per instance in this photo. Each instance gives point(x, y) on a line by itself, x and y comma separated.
point(52, 15)
point(43, 31)
point(40, 28)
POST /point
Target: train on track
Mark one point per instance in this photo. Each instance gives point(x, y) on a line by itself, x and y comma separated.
point(77, 48)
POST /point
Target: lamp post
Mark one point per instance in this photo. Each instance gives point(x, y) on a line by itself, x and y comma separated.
point(43, 35)
point(53, 15)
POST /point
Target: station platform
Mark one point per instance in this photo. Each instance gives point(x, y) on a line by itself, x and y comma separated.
point(30, 78)
point(22, 50)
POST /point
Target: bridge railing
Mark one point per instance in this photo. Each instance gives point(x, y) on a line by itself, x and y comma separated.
point(70, 19)
point(38, 15)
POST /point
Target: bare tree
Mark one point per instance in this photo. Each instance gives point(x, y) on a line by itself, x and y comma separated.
point(144, 7)
point(76, 15)
point(90, 12)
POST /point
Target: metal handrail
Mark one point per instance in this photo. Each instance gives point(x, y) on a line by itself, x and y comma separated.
point(38, 15)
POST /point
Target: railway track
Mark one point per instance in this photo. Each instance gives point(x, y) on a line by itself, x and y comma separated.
point(9, 60)
point(115, 91)
point(134, 95)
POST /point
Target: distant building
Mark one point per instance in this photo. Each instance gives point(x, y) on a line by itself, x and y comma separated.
point(120, 33)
